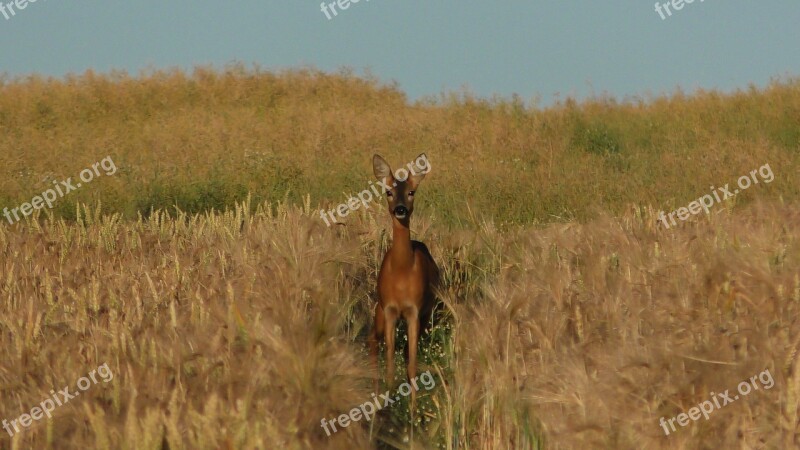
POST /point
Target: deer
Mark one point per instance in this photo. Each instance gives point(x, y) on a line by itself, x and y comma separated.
point(408, 273)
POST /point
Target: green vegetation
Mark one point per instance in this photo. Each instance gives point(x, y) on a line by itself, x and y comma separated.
point(568, 319)
point(205, 140)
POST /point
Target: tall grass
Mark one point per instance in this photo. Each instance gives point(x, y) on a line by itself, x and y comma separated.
point(244, 330)
point(204, 140)
point(233, 317)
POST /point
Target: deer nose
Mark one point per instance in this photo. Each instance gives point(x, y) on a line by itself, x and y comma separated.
point(400, 211)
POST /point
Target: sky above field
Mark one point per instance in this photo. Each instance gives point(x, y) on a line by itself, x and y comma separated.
point(537, 49)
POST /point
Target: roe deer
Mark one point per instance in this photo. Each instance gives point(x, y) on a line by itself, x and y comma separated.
point(408, 273)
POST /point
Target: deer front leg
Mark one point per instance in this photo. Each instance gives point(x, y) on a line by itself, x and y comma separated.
point(412, 319)
point(390, 317)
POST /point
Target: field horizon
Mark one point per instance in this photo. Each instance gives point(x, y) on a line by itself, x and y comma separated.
point(284, 136)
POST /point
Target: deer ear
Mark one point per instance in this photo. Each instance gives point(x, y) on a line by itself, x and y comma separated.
point(415, 180)
point(381, 168)
point(422, 167)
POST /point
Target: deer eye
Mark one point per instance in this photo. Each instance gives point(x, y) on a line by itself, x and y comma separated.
point(410, 194)
point(389, 194)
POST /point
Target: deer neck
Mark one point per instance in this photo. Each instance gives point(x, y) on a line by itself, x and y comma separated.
point(401, 253)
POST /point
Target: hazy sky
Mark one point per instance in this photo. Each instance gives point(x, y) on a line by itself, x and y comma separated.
point(544, 48)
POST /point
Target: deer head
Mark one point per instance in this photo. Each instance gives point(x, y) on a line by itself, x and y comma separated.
point(401, 185)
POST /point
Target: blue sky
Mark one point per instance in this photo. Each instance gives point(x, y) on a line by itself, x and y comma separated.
point(548, 49)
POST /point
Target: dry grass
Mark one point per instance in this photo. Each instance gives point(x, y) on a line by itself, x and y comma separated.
point(568, 320)
point(243, 330)
point(205, 140)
